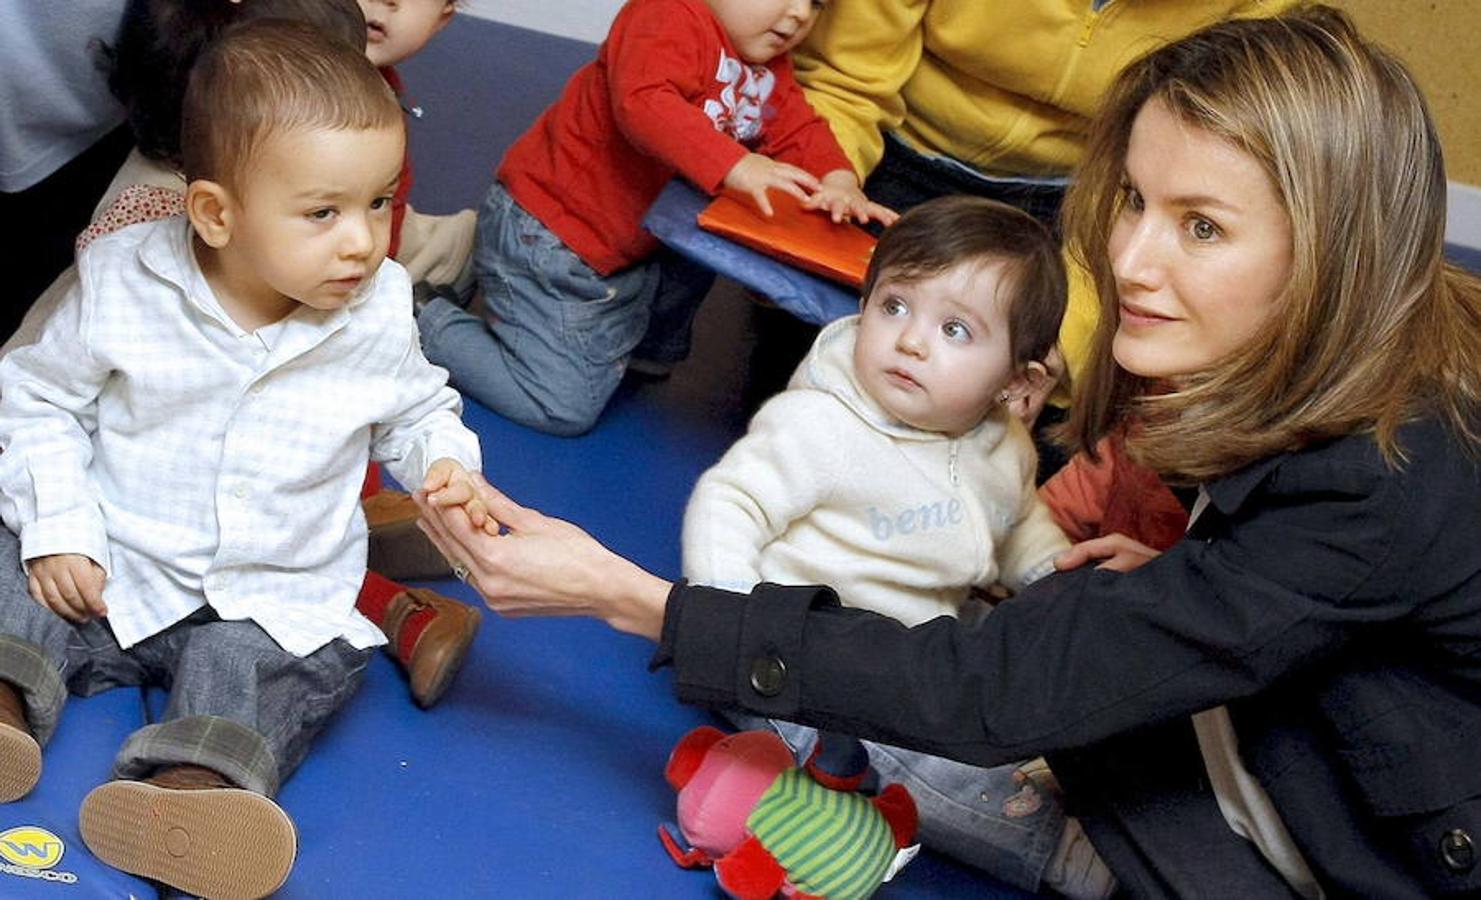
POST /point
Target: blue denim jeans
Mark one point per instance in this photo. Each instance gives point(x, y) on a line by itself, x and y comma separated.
point(984, 817)
point(554, 337)
point(239, 703)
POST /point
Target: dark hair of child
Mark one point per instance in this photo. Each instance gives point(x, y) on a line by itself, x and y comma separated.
point(159, 41)
point(949, 231)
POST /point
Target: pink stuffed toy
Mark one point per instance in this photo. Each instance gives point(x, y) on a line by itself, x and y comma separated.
point(768, 827)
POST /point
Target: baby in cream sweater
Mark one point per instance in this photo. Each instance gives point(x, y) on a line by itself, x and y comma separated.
point(894, 469)
point(891, 468)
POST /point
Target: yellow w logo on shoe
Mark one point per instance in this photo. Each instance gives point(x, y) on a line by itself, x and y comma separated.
point(33, 847)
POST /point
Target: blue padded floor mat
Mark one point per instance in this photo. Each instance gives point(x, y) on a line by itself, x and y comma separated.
point(41, 851)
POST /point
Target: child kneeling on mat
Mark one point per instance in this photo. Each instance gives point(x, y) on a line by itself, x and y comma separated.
point(183, 453)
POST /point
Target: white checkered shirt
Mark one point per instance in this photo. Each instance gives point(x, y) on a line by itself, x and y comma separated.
point(198, 463)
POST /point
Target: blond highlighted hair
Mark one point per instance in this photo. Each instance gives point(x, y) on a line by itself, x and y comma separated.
point(269, 77)
point(1373, 327)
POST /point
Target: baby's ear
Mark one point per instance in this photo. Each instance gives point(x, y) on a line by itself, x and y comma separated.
point(1026, 392)
point(209, 206)
point(1033, 378)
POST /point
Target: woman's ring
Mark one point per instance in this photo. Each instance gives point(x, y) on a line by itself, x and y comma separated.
point(461, 571)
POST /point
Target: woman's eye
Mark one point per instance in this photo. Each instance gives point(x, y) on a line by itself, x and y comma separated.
point(1203, 229)
point(380, 203)
point(956, 331)
point(320, 215)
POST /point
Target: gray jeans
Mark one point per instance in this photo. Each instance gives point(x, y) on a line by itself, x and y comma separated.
point(554, 339)
point(239, 703)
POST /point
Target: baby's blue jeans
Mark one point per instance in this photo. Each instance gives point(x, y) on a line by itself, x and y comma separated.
point(554, 338)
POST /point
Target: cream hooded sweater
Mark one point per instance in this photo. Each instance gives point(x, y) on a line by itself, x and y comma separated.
point(826, 488)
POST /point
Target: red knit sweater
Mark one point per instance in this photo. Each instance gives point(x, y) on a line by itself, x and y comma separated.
point(1091, 499)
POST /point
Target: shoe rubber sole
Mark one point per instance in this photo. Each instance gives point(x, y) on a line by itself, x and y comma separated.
point(20, 763)
point(222, 843)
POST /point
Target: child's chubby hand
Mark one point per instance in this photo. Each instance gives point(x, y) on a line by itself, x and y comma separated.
point(755, 174)
point(840, 196)
point(68, 584)
point(449, 484)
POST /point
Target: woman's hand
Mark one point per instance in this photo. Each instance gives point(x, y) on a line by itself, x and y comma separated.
point(524, 563)
point(1115, 551)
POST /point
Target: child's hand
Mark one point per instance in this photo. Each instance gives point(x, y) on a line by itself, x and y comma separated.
point(1116, 552)
point(449, 484)
point(68, 584)
point(839, 195)
point(755, 173)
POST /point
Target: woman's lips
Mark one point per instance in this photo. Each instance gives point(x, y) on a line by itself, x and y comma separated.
point(1136, 315)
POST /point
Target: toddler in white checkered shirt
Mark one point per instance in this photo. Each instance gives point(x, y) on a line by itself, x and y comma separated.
point(183, 452)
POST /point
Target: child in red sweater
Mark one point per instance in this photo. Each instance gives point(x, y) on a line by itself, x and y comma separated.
point(702, 89)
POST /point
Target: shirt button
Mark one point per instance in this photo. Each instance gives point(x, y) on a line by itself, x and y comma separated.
point(1457, 850)
point(242, 492)
point(768, 675)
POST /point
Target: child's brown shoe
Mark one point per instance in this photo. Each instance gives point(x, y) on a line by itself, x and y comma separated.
point(430, 635)
point(190, 828)
point(20, 754)
point(398, 548)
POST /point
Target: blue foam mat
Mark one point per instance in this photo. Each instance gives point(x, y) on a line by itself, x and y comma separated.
point(78, 759)
point(1465, 257)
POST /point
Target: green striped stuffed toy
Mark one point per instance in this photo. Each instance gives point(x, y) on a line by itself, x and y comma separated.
point(767, 827)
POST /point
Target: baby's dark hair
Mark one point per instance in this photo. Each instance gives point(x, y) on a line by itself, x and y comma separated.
point(270, 77)
point(160, 40)
point(946, 232)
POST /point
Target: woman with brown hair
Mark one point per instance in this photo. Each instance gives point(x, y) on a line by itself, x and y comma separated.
point(1289, 699)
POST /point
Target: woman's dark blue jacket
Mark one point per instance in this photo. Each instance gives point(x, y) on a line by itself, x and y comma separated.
point(1331, 601)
